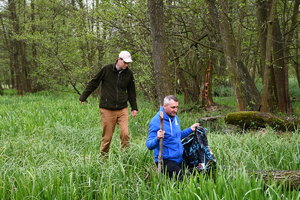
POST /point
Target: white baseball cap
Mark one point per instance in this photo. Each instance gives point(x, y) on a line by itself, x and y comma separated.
point(125, 55)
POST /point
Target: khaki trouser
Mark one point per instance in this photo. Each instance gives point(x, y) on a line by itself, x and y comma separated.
point(109, 120)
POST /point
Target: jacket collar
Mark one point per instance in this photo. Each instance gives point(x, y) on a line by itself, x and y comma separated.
point(115, 68)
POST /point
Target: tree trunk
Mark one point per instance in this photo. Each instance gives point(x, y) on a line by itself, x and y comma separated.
point(267, 96)
point(262, 16)
point(294, 33)
point(247, 96)
point(14, 46)
point(33, 46)
point(183, 85)
point(101, 35)
point(159, 53)
point(206, 94)
point(7, 44)
point(280, 71)
point(275, 94)
point(190, 77)
point(297, 60)
point(18, 51)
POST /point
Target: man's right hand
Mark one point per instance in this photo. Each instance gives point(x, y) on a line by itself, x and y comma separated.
point(194, 126)
point(160, 134)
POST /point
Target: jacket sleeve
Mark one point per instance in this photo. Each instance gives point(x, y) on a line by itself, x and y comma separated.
point(152, 141)
point(92, 85)
point(132, 94)
point(186, 132)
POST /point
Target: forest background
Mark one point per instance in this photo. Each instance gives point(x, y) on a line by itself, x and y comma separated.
point(238, 55)
point(197, 48)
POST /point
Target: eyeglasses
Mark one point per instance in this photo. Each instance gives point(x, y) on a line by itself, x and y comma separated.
point(125, 62)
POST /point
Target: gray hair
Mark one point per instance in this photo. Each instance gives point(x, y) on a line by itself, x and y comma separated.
point(168, 98)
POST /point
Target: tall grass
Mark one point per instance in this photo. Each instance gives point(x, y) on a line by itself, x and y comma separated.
point(49, 149)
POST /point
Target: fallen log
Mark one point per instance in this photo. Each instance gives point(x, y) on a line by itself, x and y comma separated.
point(205, 119)
point(289, 178)
point(255, 120)
point(208, 122)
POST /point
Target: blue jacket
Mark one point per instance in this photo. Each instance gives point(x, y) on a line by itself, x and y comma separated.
point(172, 147)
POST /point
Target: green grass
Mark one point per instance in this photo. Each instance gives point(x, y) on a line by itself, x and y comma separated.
point(296, 108)
point(49, 149)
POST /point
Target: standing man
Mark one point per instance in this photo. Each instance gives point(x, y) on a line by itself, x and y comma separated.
point(117, 87)
point(172, 134)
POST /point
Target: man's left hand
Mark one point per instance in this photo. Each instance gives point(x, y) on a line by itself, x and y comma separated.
point(134, 113)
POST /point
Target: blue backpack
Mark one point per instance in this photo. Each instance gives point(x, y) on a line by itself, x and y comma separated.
point(197, 154)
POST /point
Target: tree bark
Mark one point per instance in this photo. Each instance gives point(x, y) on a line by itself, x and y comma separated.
point(290, 178)
point(18, 52)
point(262, 11)
point(267, 92)
point(297, 60)
point(275, 93)
point(280, 72)
point(159, 53)
point(293, 33)
point(206, 94)
point(247, 96)
point(101, 35)
point(7, 45)
point(190, 77)
point(183, 85)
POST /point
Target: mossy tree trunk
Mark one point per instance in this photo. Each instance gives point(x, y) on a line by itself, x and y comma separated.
point(290, 178)
point(254, 119)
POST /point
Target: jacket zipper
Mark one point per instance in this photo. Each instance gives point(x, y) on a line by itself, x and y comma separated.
point(118, 79)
